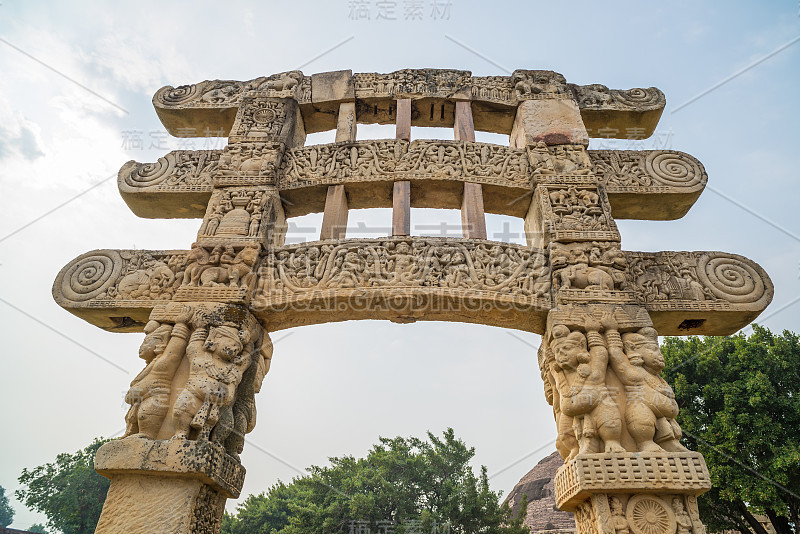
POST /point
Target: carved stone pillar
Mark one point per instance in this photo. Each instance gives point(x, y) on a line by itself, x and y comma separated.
point(190, 409)
point(625, 467)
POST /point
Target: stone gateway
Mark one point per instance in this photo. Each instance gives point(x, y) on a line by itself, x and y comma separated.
point(207, 312)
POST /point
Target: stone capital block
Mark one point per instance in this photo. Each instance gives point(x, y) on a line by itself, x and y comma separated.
point(584, 475)
point(332, 87)
point(554, 121)
point(201, 460)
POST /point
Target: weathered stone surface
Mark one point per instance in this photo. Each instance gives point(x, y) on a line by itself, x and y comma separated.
point(553, 121)
point(631, 114)
point(332, 87)
point(116, 289)
point(176, 186)
point(202, 460)
point(209, 108)
point(142, 504)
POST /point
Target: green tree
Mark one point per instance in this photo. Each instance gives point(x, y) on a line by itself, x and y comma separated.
point(6, 512)
point(68, 491)
point(412, 484)
point(740, 406)
point(39, 529)
point(262, 514)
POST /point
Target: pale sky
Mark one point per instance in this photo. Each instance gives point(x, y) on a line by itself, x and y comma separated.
point(70, 69)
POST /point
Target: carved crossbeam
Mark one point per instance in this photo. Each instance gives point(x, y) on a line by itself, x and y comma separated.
point(646, 185)
point(407, 279)
point(209, 107)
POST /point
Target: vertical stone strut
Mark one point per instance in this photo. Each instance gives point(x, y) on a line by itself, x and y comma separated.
point(334, 219)
point(401, 191)
point(473, 218)
point(600, 360)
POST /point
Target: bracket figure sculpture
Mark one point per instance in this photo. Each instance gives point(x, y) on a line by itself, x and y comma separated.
point(206, 312)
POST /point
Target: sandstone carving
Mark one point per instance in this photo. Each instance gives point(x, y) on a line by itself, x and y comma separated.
point(408, 263)
point(193, 110)
point(652, 185)
point(206, 312)
point(209, 405)
point(399, 160)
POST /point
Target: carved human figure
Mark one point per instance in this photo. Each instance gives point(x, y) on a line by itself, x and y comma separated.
point(650, 403)
point(682, 517)
point(218, 357)
point(255, 222)
point(401, 264)
point(213, 221)
point(618, 521)
point(350, 269)
point(580, 376)
point(163, 349)
point(566, 442)
point(240, 418)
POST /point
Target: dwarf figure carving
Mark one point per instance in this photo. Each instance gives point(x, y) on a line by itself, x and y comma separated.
point(163, 349)
point(240, 418)
point(650, 407)
point(218, 357)
point(580, 376)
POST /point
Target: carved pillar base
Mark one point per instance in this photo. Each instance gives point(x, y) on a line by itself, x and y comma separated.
point(170, 486)
point(642, 493)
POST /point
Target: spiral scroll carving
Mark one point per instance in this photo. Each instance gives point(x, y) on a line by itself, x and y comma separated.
point(673, 169)
point(639, 98)
point(174, 96)
point(149, 174)
point(731, 279)
point(90, 275)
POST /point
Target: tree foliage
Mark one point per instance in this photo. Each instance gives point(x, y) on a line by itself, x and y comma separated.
point(39, 529)
point(6, 512)
point(740, 407)
point(68, 491)
point(403, 485)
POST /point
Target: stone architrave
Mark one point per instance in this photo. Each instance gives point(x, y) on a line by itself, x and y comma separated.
point(206, 312)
